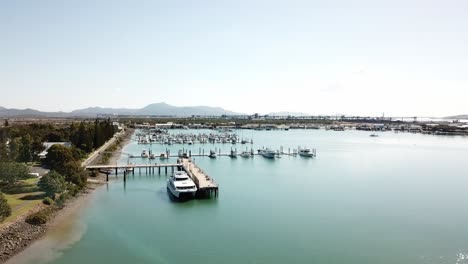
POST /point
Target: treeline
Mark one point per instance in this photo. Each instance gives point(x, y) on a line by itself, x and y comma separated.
point(89, 136)
point(22, 143)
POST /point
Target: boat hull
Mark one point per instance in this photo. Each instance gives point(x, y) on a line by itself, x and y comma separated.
point(180, 193)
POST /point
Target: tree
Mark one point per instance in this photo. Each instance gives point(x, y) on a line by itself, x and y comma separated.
point(12, 172)
point(25, 150)
point(57, 156)
point(5, 209)
point(3, 152)
point(75, 174)
point(6, 123)
point(14, 147)
point(52, 183)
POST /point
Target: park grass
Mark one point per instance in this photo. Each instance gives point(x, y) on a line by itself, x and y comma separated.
point(22, 198)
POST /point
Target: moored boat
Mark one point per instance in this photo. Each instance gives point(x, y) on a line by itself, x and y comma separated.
point(180, 184)
point(233, 153)
point(306, 152)
point(212, 154)
point(246, 154)
point(267, 153)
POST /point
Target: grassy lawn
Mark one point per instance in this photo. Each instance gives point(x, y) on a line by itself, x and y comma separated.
point(23, 197)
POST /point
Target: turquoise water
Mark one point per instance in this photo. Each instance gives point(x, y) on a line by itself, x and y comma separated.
point(398, 198)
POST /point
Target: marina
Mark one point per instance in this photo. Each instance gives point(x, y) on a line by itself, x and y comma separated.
point(360, 193)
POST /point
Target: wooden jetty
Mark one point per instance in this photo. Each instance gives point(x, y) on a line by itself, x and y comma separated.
point(205, 184)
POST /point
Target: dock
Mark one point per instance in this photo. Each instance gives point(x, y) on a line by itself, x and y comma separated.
point(206, 185)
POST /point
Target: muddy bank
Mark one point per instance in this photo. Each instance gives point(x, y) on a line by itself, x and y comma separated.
point(18, 235)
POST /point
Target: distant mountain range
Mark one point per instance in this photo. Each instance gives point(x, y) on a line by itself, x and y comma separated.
point(158, 109)
point(457, 117)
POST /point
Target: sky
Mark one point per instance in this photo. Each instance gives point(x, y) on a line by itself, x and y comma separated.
point(360, 57)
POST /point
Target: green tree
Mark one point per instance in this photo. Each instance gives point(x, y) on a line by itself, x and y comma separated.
point(57, 156)
point(14, 148)
point(3, 152)
point(6, 123)
point(36, 148)
point(5, 209)
point(12, 172)
point(75, 174)
point(25, 150)
point(52, 183)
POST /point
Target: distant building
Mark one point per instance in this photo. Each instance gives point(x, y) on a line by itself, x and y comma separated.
point(47, 146)
point(166, 125)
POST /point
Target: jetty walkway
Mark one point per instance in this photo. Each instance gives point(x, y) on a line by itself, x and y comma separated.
point(205, 184)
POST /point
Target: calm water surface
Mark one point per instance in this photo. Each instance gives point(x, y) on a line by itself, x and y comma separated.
point(398, 198)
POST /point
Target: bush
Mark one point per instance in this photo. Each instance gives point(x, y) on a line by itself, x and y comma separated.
point(39, 218)
point(47, 201)
point(62, 199)
point(73, 190)
point(5, 209)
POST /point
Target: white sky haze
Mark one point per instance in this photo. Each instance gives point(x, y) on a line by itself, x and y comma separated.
point(364, 57)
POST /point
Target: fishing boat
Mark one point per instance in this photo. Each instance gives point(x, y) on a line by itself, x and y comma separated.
point(144, 154)
point(180, 184)
point(163, 156)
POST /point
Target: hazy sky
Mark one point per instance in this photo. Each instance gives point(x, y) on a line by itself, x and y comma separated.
point(401, 57)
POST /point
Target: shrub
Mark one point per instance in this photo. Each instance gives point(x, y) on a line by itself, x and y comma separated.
point(5, 209)
point(47, 201)
point(73, 190)
point(62, 199)
point(39, 218)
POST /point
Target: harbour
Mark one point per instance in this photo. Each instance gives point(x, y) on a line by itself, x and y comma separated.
point(360, 194)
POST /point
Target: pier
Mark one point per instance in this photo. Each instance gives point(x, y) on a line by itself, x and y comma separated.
point(205, 184)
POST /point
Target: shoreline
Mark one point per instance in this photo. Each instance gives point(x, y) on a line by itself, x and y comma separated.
point(18, 235)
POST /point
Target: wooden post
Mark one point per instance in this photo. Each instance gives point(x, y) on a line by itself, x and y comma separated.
point(125, 176)
point(159, 170)
point(116, 170)
point(166, 169)
point(107, 177)
point(139, 171)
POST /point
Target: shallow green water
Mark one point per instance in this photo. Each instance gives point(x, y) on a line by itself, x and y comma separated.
point(398, 198)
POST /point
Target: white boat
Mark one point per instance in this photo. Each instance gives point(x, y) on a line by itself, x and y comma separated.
point(373, 135)
point(144, 154)
point(267, 153)
point(190, 142)
point(306, 152)
point(180, 184)
point(163, 156)
point(212, 154)
point(246, 154)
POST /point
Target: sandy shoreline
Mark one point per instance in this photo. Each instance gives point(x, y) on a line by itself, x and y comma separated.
point(19, 235)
